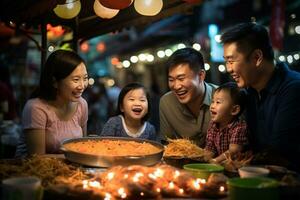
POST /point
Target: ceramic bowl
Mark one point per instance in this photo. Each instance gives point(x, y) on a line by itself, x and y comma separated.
point(252, 171)
point(253, 188)
point(203, 170)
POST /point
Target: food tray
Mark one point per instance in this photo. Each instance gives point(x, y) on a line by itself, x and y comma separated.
point(109, 161)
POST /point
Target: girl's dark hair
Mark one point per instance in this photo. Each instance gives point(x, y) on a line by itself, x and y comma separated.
point(125, 90)
point(238, 96)
point(58, 66)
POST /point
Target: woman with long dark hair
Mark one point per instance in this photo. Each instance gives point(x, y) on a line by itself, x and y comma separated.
point(56, 111)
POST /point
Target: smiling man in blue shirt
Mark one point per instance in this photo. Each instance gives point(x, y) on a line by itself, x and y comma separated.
point(273, 106)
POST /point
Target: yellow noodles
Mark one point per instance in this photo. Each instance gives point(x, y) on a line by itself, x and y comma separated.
point(183, 148)
point(50, 170)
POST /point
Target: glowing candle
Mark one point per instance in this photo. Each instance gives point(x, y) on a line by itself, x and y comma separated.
point(152, 176)
point(159, 172)
point(137, 176)
point(135, 179)
point(222, 189)
point(107, 196)
point(142, 194)
point(196, 185)
point(85, 184)
point(110, 175)
point(158, 190)
point(94, 184)
point(202, 181)
point(181, 191)
point(171, 185)
point(177, 173)
point(122, 193)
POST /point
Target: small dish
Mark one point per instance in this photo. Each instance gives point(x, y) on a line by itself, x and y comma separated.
point(252, 171)
point(253, 188)
point(203, 170)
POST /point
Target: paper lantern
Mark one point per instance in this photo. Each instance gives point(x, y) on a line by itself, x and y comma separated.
point(104, 12)
point(116, 4)
point(68, 10)
point(148, 7)
point(193, 1)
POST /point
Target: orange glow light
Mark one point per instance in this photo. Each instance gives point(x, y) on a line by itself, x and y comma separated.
point(115, 61)
point(84, 47)
point(101, 47)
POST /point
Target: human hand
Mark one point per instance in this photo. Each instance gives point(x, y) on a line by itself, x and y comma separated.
point(213, 161)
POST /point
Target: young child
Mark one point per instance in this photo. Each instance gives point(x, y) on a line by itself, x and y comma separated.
point(226, 134)
point(133, 111)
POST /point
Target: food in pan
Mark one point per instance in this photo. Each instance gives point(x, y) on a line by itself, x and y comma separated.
point(108, 147)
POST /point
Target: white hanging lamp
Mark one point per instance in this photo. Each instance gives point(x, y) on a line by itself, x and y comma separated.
point(103, 12)
point(148, 7)
point(68, 10)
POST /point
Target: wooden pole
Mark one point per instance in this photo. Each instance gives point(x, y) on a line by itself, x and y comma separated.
point(44, 44)
point(75, 34)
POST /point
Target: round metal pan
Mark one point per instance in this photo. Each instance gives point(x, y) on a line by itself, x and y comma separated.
point(108, 161)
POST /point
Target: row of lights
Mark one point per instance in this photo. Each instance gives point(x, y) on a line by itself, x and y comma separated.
point(150, 58)
point(289, 58)
point(109, 82)
point(147, 57)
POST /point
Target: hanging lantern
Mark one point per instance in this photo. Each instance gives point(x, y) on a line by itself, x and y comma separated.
point(116, 4)
point(68, 10)
point(148, 7)
point(193, 1)
point(104, 12)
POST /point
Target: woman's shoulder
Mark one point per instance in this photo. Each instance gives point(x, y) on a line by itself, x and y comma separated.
point(36, 109)
point(82, 106)
point(82, 102)
point(36, 103)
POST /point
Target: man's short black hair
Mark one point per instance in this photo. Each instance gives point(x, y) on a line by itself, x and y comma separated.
point(188, 56)
point(248, 37)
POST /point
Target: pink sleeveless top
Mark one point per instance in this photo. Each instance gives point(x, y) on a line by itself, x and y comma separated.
point(38, 115)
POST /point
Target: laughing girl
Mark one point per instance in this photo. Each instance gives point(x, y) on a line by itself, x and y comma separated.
point(133, 112)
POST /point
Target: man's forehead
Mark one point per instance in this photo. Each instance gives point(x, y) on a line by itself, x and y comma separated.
point(179, 66)
point(229, 50)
